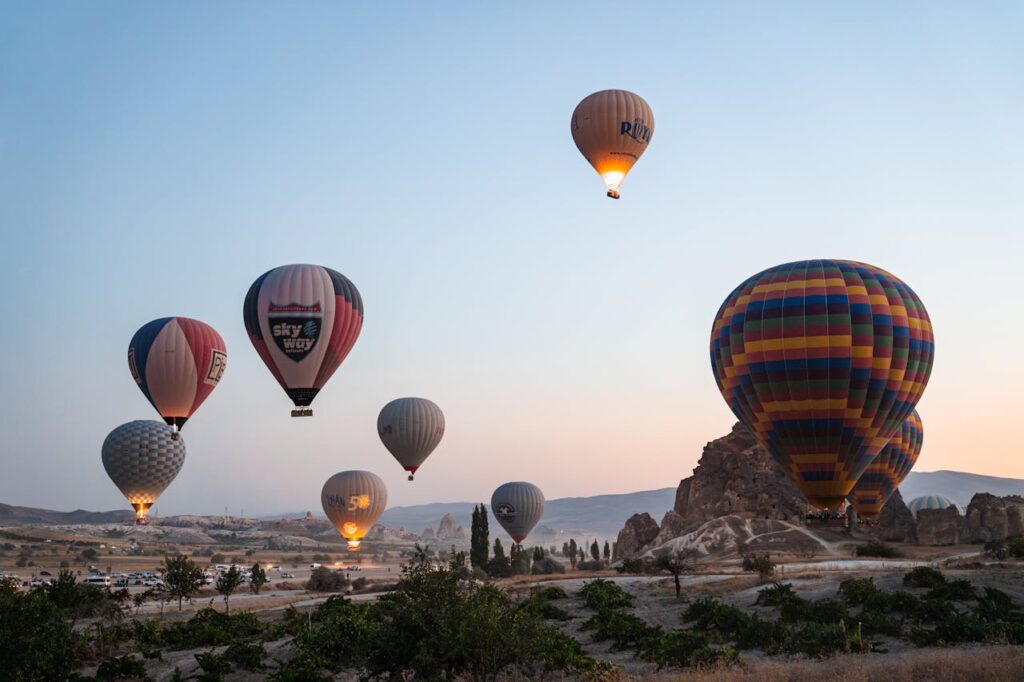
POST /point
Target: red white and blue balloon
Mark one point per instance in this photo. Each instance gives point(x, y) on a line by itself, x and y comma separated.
point(177, 362)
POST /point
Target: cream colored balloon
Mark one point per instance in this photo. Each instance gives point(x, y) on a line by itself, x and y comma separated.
point(353, 501)
point(612, 129)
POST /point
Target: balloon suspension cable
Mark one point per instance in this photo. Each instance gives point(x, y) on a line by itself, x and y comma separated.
point(175, 434)
point(302, 412)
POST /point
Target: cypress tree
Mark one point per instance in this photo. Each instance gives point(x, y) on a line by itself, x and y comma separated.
point(479, 539)
point(607, 551)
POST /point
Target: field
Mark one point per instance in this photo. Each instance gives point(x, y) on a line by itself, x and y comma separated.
point(619, 639)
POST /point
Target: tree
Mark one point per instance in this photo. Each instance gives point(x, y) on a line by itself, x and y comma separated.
point(479, 537)
point(595, 551)
point(182, 577)
point(607, 551)
point(761, 564)
point(257, 578)
point(680, 562)
point(227, 583)
point(538, 553)
point(572, 552)
point(498, 566)
point(565, 549)
point(519, 560)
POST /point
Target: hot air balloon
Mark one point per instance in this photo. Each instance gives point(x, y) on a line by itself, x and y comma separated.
point(410, 429)
point(518, 507)
point(353, 501)
point(889, 468)
point(822, 360)
point(142, 458)
point(177, 362)
point(923, 502)
point(612, 129)
point(303, 320)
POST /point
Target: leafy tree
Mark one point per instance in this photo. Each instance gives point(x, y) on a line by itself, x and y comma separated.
point(479, 539)
point(607, 551)
point(182, 578)
point(217, 558)
point(323, 579)
point(257, 578)
point(89, 554)
point(499, 565)
point(538, 553)
point(37, 641)
point(675, 564)
point(227, 583)
point(572, 552)
point(761, 564)
point(519, 560)
point(565, 549)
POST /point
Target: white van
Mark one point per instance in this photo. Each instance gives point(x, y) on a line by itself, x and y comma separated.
point(101, 580)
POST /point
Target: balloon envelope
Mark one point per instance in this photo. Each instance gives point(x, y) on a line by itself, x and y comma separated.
point(918, 504)
point(142, 459)
point(612, 129)
point(303, 320)
point(823, 360)
point(518, 507)
point(410, 429)
point(889, 468)
point(177, 362)
point(353, 501)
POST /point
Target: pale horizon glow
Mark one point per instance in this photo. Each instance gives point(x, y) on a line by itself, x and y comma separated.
point(158, 158)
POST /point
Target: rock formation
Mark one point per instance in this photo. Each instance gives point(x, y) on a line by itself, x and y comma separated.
point(895, 521)
point(736, 476)
point(994, 518)
point(640, 530)
point(939, 526)
point(428, 534)
point(449, 530)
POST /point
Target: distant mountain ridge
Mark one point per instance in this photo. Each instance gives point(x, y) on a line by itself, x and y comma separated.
point(958, 486)
point(600, 515)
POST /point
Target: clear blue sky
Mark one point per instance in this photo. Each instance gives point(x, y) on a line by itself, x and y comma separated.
point(157, 157)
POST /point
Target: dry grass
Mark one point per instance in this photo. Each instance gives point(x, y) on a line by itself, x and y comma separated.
point(980, 664)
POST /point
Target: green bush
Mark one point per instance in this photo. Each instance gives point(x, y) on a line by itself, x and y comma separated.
point(245, 655)
point(1016, 547)
point(925, 577)
point(551, 593)
point(603, 594)
point(761, 564)
point(858, 590)
point(36, 639)
point(547, 566)
point(635, 566)
point(953, 590)
point(214, 667)
point(323, 579)
point(775, 595)
point(545, 609)
point(208, 628)
point(120, 668)
point(877, 548)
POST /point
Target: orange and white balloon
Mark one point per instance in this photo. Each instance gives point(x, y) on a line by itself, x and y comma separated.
point(612, 129)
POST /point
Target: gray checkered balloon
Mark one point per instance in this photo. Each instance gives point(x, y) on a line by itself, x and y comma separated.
point(142, 459)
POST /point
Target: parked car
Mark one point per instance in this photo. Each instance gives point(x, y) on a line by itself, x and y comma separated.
point(153, 582)
point(46, 574)
point(288, 575)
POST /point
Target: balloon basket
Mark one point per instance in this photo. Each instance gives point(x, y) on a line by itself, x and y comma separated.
point(614, 194)
point(411, 477)
point(302, 412)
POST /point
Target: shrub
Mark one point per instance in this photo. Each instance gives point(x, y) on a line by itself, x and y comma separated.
point(858, 590)
point(589, 565)
point(1016, 547)
point(359, 583)
point(323, 579)
point(551, 593)
point(207, 628)
point(214, 667)
point(122, 667)
point(877, 548)
point(544, 609)
point(603, 594)
point(775, 595)
point(924, 576)
point(36, 639)
point(634, 565)
point(953, 590)
point(246, 655)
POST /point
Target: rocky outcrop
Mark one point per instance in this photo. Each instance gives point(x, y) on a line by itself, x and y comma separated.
point(640, 530)
point(428, 534)
point(994, 518)
point(448, 529)
point(729, 536)
point(939, 526)
point(672, 526)
point(895, 521)
point(736, 476)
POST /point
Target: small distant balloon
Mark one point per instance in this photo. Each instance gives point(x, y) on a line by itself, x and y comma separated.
point(410, 429)
point(353, 501)
point(517, 506)
point(884, 475)
point(142, 458)
point(177, 362)
point(303, 320)
point(612, 129)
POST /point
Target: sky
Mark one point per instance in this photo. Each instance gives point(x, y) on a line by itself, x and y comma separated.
point(158, 157)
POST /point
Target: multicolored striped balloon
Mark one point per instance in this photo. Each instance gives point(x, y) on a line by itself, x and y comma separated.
point(177, 362)
point(880, 480)
point(823, 360)
point(303, 320)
